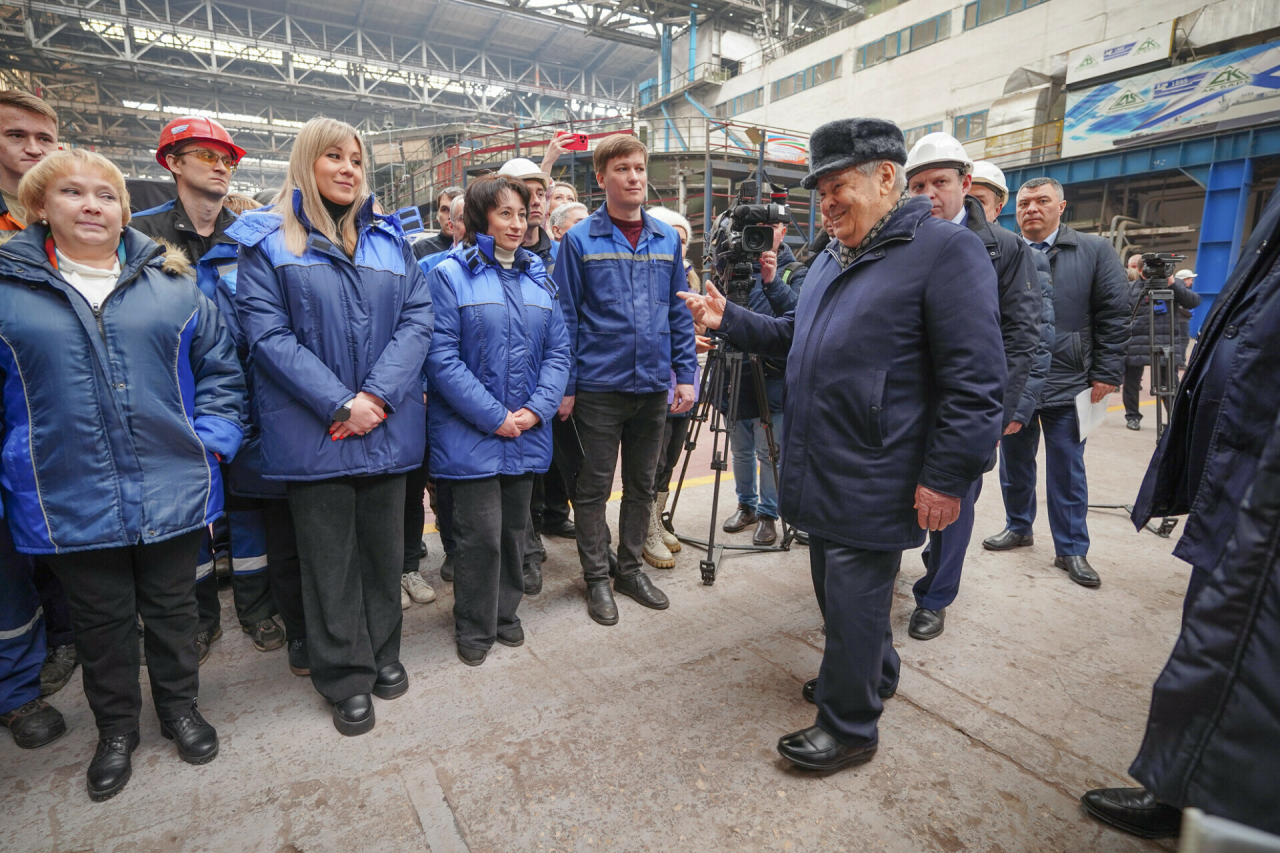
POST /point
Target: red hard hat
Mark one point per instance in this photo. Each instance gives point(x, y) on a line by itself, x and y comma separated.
point(194, 129)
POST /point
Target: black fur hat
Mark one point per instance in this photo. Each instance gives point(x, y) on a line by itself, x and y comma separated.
point(849, 141)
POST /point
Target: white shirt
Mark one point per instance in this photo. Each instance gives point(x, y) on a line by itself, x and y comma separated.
point(1050, 240)
point(962, 217)
point(94, 284)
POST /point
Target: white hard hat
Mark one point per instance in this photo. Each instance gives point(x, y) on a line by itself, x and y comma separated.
point(986, 172)
point(523, 169)
point(938, 151)
point(1183, 275)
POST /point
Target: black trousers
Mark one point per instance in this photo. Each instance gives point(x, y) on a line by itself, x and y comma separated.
point(350, 534)
point(58, 630)
point(492, 526)
point(606, 422)
point(444, 515)
point(415, 518)
point(855, 594)
point(107, 589)
point(673, 435)
point(284, 568)
point(1132, 390)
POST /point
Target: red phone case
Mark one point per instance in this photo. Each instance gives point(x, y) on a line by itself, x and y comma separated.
point(576, 142)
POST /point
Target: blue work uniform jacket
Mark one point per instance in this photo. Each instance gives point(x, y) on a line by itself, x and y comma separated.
point(321, 327)
point(627, 327)
point(895, 377)
point(109, 421)
point(499, 346)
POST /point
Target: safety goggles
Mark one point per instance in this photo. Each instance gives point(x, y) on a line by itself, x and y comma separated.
point(204, 155)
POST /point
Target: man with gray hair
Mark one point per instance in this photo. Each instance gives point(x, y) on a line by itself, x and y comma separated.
point(1091, 315)
point(565, 216)
point(895, 378)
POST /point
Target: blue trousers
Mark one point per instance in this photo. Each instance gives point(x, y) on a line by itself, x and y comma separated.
point(855, 594)
point(1065, 482)
point(944, 556)
point(749, 445)
point(22, 641)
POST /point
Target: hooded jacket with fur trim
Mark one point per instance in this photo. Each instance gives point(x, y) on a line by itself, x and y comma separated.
point(110, 421)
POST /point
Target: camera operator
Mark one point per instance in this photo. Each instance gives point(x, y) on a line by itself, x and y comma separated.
point(758, 498)
point(1140, 342)
point(895, 378)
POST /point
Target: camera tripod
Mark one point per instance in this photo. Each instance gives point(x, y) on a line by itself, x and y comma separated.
point(1164, 380)
point(718, 408)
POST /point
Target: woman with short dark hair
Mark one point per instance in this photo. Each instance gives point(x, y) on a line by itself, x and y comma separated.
point(498, 367)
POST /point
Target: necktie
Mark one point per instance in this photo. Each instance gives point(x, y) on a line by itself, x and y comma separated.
point(1043, 247)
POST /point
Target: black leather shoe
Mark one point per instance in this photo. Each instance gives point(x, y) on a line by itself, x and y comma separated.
point(740, 520)
point(766, 531)
point(299, 659)
point(926, 624)
point(814, 749)
point(511, 637)
point(802, 538)
point(446, 568)
point(1134, 424)
point(354, 715)
point(1079, 570)
point(266, 634)
point(59, 664)
point(111, 767)
point(565, 529)
point(197, 741)
point(811, 687)
point(1135, 810)
point(600, 603)
point(642, 590)
point(392, 681)
point(532, 578)
point(34, 724)
point(1006, 540)
point(471, 657)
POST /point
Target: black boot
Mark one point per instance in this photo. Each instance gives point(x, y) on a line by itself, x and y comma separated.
point(354, 715)
point(111, 767)
point(197, 741)
point(1135, 810)
point(34, 724)
point(600, 604)
point(642, 590)
point(814, 749)
point(532, 577)
point(446, 569)
point(299, 659)
point(59, 664)
point(740, 520)
point(926, 624)
point(392, 681)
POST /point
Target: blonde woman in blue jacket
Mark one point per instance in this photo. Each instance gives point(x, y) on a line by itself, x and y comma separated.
point(498, 365)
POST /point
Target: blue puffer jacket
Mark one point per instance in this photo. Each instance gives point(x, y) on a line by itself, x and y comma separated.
point(627, 328)
point(499, 345)
point(320, 328)
point(109, 422)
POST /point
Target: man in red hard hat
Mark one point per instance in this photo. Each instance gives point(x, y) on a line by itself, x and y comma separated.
point(200, 155)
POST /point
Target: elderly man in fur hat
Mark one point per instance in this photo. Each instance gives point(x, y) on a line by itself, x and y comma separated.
point(894, 385)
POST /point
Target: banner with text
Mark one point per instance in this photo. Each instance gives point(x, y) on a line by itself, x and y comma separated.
point(1146, 45)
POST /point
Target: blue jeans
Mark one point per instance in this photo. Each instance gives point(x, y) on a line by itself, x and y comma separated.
point(749, 445)
point(1065, 483)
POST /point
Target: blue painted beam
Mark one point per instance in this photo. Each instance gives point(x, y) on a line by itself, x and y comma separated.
point(1221, 230)
point(671, 128)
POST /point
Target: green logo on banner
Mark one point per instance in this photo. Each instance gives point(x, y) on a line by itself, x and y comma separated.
point(1087, 62)
point(1149, 45)
point(1127, 101)
point(1226, 79)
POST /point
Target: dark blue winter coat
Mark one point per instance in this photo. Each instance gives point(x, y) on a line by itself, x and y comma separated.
point(322, 327)
point(110, 422)
point(627, 327)
point(1213, 736)
point(895, 377)
point(1044, 351)
point(499, 346)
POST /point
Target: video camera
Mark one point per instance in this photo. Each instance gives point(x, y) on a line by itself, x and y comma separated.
point(1157, 267)
point(741, 235)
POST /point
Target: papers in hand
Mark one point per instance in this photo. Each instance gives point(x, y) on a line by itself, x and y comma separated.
point(1088, 413)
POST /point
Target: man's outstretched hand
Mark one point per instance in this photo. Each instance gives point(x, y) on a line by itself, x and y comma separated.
point(706, 310)
point(935, 510)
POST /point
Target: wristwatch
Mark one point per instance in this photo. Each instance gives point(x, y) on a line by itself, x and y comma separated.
point(343, 413)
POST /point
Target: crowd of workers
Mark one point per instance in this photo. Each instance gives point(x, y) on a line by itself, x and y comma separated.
point(306, 372)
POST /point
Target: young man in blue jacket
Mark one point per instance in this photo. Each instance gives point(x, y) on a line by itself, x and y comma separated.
point(618, 274)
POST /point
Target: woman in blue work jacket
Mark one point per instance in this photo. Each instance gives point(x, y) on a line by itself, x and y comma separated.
point(337, 317)
point(498, 366)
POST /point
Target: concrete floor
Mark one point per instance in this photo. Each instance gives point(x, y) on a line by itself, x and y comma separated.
point(659, 733)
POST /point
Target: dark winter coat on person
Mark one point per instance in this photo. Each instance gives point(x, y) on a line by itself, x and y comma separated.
point(1091, 316)
point(110, 421)
point(1030, 401)
point(895, 377)
point(499, 346)
point(1021, 301)
point(322, 327)
point(169, 223)
point(1213, 738)
point(1139, 352)
point(627, 327)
